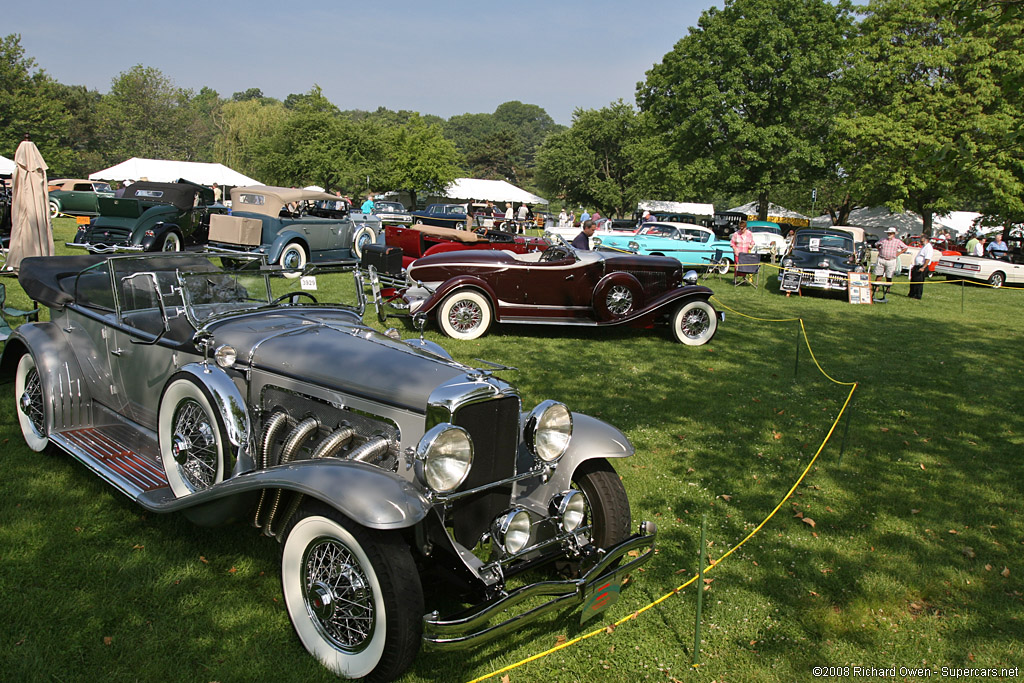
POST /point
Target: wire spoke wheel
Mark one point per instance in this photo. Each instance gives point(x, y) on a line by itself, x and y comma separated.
point(338, 596)
point(195, 445)
point(619, 300)
point(694, 323)
point(31, 403)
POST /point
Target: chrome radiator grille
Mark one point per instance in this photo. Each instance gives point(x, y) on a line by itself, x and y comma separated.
point(494, 428)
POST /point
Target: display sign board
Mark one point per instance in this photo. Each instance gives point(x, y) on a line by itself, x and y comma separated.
point(790, 281)
point(859, 288)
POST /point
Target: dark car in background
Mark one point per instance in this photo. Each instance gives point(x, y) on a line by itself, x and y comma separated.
point(150, 217)
point(77, 196)
point(824, 258)
point(379, 465)
point(442, 215)
point(420, 240)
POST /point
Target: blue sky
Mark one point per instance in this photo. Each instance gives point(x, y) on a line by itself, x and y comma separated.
point(442, 58)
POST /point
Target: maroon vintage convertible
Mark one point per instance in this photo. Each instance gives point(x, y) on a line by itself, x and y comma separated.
point(468, 290)
point(420, 240)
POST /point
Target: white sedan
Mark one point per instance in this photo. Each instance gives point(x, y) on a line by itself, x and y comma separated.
point(995, 272)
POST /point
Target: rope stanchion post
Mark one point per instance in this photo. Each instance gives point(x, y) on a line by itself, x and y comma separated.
point(700, 589)
point(796, 363)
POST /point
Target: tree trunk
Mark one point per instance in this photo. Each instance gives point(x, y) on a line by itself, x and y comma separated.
point(762, 205)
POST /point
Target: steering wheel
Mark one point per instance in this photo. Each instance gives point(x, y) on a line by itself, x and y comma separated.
point(482, 231)
point(293, 296)
point(555, 253)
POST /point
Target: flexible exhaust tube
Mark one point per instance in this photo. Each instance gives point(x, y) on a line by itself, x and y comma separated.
point(291, 446)
point(337, 440)
point(275, 423)
point(370, 451)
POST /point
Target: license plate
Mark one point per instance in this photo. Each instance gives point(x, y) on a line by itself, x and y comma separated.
point(601, 596)
point(821, 277)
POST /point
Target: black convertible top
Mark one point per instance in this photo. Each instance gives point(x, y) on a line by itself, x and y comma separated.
point(50, 280)
point(42, 276)
point(181, 194)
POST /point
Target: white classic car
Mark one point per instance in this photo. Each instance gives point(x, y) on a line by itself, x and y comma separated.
point(995, 272)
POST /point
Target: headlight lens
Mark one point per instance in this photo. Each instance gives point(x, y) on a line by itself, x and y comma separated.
point(597, 241)
point(225, 356)
point(512, 530)
point(635, 246)
point(569, 507)
point(444, 456)
point(787, 263)
point(548, 430)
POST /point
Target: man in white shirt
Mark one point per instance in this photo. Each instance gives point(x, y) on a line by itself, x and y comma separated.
point(919, 270)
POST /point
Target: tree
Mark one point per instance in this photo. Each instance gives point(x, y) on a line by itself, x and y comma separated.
point(417, 158)
point(244, 129)
point(29, 104)
point(589, 163)
point(743, 100)
point(937, 127)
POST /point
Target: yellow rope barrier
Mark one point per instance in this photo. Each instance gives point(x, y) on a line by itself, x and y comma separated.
point(714, 563)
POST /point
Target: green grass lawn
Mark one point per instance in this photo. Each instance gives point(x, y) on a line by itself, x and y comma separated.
point(914, 557)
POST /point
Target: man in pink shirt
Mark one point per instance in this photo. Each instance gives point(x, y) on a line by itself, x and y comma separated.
point(742, 242)
point(889, 251)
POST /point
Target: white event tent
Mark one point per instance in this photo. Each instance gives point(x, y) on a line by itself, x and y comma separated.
point(469, 189)
point(6, 166)
point(163, 171)
point(876, 219)
point(776, 213)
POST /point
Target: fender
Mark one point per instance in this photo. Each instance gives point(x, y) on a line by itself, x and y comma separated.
point(644, 317)
point(281, 241)
point(65, 389)
point(150, 219)
point(458, 282)
point(591, 438)
point(365, 494)
point(229, 403)
point(159, 230)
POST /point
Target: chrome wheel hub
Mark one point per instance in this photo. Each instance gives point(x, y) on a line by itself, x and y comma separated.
point(465, 315)
point(338, 596)
point(696, 323)
point(620, 300)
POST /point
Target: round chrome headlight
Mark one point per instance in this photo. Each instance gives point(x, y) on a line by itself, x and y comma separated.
point(787, 263)
point(512, 530)
point(548, 430)
point(225, 356)
point(569, 507)
point(690, 278)
point(635, 246)
point(444, 456)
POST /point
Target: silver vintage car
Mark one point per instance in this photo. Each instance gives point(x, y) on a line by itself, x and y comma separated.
point(221, 391)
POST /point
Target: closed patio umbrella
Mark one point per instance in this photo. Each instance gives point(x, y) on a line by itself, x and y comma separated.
point(31, 233)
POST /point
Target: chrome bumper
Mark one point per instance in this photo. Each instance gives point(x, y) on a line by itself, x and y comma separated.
point(470, 630)
point(105, 248)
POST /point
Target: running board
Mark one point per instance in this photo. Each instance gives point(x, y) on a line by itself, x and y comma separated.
point(122, 456)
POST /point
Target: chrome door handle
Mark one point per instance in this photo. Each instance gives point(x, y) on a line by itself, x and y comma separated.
point(117, 352)
point(570, 277)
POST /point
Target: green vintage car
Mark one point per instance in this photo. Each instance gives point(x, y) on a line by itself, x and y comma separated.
point(151, 217)
point(77, 197)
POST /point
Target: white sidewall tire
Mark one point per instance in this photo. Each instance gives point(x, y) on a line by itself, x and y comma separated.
point(36, 441)
point(172, 242)
point(349, 665)
point(294, 247)
point(359, 234)
point(723, 269)
point(472, 297)
point(179, 390)
point(54, 209)
point(680, 316)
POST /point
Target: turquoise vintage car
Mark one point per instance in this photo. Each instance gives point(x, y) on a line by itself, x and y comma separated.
point(691, 245)
point(77, 197)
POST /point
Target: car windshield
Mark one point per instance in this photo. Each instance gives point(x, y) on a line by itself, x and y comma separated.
point(825, 243)
point(101, 187)
point(388, 206)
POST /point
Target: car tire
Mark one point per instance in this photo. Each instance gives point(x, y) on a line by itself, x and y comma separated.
point(418, 221)
point(694, 323)
point(31, 404)
point(293, 259)
point(171, 242)
point(193, 441)
point(54, 208)
point(617, 296)
point(460, 226)
point(464, 314)
point(607, 510)
point(362, 237)
point(997, 279)
point(353, 594)
point(724, 266)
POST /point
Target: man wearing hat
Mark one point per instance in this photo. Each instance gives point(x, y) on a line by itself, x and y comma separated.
point(889, 251)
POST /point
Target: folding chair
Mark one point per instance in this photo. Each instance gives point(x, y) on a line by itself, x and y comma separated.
point(747, 266)
point(11, 312)
point(718, 264)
